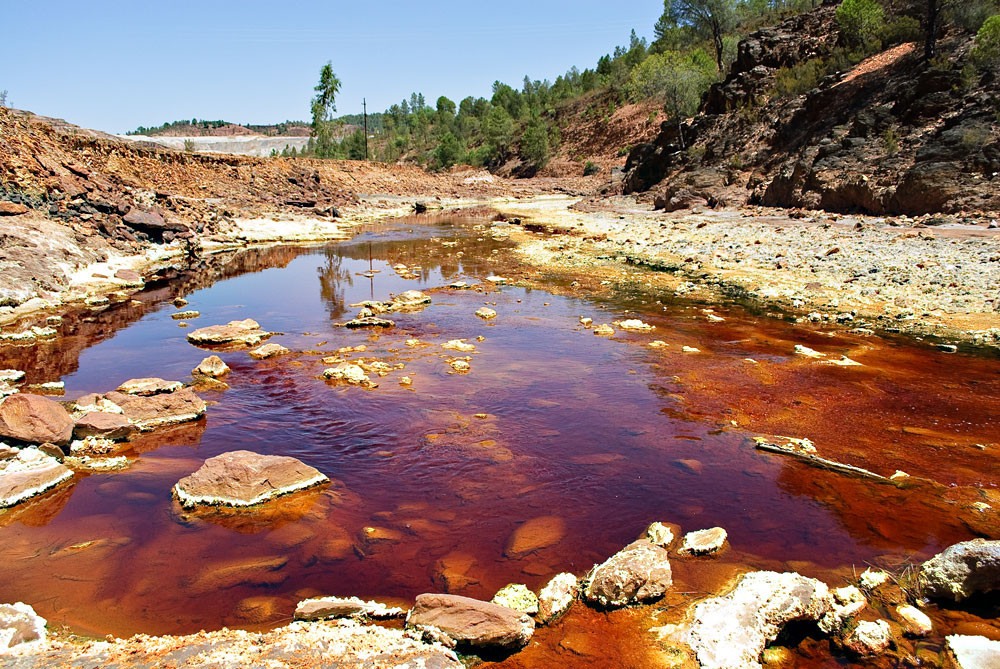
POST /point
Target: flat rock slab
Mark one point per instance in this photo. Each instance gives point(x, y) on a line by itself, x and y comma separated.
point(342, 644)
point(974, 652)
point(321, 608)
point(35, 419)
point(534, 535)
point(962, 570)
point(732, 631)
point(112, 426)
point(244, 478)
point(639, 572)
point(369, 322)
point(246, 332)
point(268, 351)
point(149, 386)
point(153, 411)
point(29, 473)
point(471, 622)
point(703, 542)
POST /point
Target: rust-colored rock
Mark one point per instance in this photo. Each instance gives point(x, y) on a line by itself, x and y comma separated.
point(35, 419)
point(246, 332)
point(12, 209)
point(471, 622)
point(148, 413)
point(638, 572)
point(30, 472)
point(103, 424)
point(244, 478)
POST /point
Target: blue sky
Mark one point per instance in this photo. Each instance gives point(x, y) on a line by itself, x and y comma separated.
point(117, 65)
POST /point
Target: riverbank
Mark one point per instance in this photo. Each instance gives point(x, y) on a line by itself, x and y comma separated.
point(934, 278)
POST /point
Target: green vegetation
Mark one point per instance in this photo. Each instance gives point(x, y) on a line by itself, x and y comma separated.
point(986, 53)
point(861, 23)
point(189, 146)
point(323, 106)
point(590, 169)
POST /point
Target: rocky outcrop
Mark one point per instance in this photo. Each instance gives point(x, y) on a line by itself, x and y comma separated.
point(732, 631)
point(300, 644)
point(28, 473)
point(246, 333)
point(637, 573)
point(244, 478)
point(35, 419)
point(467, 622)
point(20, 625)
point(962, 570)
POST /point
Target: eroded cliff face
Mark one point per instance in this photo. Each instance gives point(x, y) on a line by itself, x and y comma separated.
point(889, 136)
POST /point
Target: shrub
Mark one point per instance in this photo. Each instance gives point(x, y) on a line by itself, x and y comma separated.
point(986, 53)
point(890, 141)
point(969, 15)
point(189, 145)
point(861, 22)
point(590, 168)
point(800, 78)
point(902, 30)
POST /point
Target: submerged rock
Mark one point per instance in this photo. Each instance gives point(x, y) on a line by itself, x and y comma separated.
point(153, 411)
point(535, 534)
point(35, 419)
point(149, 386)
point(869, 638)
point(321, 608)
point(471, 622)
point(246, 332)
point(212, 366)
point(28, 473)
point(244, 478)
point(19, 624)
point(268, 351)
point(974, 652)
point(732, 631)
point(516, 596)
point(557, 596)
point(915, 622)
point(637, 573)
point(486, 313)
point(961, 570)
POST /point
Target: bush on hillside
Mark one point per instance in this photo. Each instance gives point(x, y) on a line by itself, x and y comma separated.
point(901, 30)
point(861, 22)
point(986, 53)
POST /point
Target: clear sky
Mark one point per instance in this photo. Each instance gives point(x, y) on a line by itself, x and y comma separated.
point(115, 65)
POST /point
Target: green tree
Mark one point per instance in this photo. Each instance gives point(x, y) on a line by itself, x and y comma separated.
point(711, 19)
point(449, 151)
point(986, 53)
point(323, 107)
point(861, 22)
point(678, 79)
point(535, 143)
point(498, 133)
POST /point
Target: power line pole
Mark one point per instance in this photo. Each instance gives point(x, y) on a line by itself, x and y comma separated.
point(364, 104)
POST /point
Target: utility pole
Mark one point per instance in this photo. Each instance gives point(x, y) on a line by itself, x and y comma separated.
point(364, 104)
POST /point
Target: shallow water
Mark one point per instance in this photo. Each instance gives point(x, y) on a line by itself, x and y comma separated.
point(551, 423)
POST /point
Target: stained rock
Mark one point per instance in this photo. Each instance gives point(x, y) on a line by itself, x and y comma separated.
point(268, 351)
point(322, 608)
point(732, 631)
point(369, 322)
point(974, 652)
point(349, 373)
point(535, 534)
point(11, 375)
point(557, 596)
point(185, 315)
point(634, 324)
point(915, 622)
point(661, 534)
point(960, 570)
point(35, 419)
point(411, 299)
point(458, 345)
point(486, 313)
point(111, 426)
point(848, 602)
point(149, 386)
point(246, 332)
point(12, 209)
point(638, 572)
point(244, 478)
point(869, 638)
point(129, 276)
point(471, 622)
point(212, 366)
point(516, 596)
point(604, 330)
point(453, 571)
point(30, 472)
point(150, 412)
point(703, 542)
point(19, 624)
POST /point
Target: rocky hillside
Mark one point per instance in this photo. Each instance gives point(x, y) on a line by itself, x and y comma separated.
point(889, 136)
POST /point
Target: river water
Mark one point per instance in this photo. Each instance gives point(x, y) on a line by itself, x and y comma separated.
point(589, 437)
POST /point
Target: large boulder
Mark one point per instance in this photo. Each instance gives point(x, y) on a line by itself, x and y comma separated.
point(732, 631)
point(638, 572)
point(28, 473)
point(244, 478)
point(962, 570)
point(35, 419)
point(19, 624)
point(246, 332)
point(153, 411)
point(471, 622)
point(151, 222)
